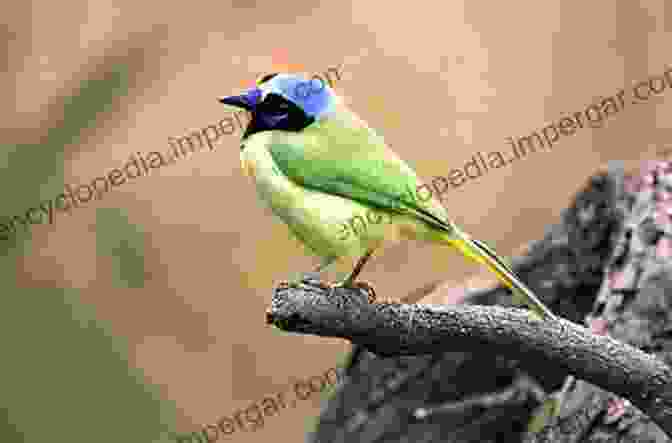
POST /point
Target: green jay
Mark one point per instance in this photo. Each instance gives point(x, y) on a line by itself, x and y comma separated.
point(315, 163)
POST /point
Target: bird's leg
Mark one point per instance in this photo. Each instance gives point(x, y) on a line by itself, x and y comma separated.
point(349, 281)
point(314, 274)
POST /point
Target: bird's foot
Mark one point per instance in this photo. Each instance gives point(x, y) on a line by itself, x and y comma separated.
point(294, 284)
point(356, 285)
point(310, 278)
point(369, 289)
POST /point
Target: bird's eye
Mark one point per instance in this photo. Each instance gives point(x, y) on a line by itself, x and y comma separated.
point(274, 104)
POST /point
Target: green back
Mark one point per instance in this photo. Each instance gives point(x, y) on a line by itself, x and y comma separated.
point(341, 155)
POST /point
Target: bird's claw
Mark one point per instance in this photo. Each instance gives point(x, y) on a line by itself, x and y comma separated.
point(294, 284)
point(369, 289)
point(290, 283)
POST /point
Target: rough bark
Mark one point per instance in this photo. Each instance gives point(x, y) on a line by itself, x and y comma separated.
point(484, 371)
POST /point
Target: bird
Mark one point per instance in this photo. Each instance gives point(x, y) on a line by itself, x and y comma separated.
point(315, 163)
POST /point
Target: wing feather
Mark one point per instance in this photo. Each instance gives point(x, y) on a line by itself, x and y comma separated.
point(343, 156)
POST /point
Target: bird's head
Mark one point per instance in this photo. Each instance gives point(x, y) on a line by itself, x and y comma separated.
point(287, 102)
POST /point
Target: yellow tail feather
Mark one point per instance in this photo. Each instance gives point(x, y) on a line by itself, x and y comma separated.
point(481, 253)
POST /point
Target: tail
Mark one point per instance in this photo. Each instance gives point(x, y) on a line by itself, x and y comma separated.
point(481, 253)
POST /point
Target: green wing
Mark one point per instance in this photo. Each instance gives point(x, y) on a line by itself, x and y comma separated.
point(342, 156)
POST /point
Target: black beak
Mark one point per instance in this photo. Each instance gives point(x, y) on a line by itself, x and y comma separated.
point(248, 101)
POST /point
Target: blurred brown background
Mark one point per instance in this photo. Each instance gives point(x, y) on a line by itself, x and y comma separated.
point(440, 80)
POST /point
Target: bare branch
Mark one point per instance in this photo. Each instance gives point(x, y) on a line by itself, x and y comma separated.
point(389, 329)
